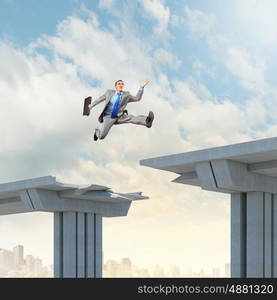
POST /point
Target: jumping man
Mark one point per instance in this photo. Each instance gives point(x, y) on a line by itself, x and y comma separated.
point(114, 112)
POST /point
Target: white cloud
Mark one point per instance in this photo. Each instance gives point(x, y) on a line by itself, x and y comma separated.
point(199, 68)
point(161, 13)
point(106, 3)
point(252, 22)
point(165, 57)
point(213, 124)
point(175, 20)
point(199, 23)
point(258, 20)
point(248, 68)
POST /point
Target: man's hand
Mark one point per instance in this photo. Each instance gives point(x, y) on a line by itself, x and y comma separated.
point(143, 84)
point(90, 106)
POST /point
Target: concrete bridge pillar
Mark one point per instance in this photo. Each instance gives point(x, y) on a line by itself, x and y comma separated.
point(77, 244)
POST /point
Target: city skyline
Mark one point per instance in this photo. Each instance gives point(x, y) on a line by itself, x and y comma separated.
point(13, 263)
point(125, 268)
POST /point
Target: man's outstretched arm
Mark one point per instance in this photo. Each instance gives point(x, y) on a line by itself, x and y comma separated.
point(139, 93)
point(97, 101)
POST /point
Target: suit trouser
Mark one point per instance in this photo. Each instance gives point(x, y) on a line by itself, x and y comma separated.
point(108, 122)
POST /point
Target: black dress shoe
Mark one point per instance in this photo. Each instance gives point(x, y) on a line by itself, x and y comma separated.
point(149, 119)
point(95, 136)
point(86, 110)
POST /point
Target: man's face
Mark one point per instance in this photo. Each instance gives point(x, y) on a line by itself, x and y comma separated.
point(119, 86)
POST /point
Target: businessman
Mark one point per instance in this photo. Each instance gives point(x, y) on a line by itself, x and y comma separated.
point(114, 112)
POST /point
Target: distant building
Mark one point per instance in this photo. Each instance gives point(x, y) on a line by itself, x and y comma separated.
point(18, 252)
point(110, 268)
point(30, 264)
point(158, 271)
point(202, 273)
point(125, 268)
point(175, 271)
point(227, 270)
point(141, 273)
point(6, 260)
point(13, 264)
point(216, 272)
point(37, 266)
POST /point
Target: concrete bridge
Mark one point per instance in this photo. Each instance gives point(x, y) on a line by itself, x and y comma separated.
point(78, 213)
point(248, 172)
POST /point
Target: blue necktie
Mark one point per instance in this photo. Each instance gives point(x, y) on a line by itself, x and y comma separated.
point(116, 106)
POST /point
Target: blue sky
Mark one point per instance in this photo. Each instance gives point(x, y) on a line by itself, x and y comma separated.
point(22, 22)
point(211, 66)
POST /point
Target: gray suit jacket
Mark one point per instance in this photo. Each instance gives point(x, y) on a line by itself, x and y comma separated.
point(126, 98)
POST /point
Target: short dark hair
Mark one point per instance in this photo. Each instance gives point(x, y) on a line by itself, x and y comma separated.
point(118, 81)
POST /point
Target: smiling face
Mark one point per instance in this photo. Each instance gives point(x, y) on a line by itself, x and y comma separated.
point(119, 85)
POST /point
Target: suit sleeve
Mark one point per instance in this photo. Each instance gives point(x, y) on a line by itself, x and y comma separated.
point(137, 97)
point(99, 100)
